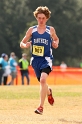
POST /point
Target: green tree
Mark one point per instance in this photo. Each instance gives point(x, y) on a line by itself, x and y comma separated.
point(13, 21)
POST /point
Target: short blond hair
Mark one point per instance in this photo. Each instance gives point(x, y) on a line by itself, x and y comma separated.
point(44, 10)
point(24, 54)
point(12, 54)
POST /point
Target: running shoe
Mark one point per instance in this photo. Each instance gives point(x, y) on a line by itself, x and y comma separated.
point(50, 98)
point(39, 110)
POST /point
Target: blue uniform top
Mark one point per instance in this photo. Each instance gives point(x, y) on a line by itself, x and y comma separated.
point(41, 43)
point(41, 50)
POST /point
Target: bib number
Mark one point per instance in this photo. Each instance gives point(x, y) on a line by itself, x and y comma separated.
point(38, 50)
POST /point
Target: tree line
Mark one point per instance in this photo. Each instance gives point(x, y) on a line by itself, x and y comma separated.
point(16, 17)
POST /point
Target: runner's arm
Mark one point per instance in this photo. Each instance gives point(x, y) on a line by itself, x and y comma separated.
point(24, 43)
point(55, 38)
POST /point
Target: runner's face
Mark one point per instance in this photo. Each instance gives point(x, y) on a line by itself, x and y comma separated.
point(41, 18)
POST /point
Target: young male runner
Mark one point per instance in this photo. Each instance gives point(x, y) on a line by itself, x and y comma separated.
point(43, 38)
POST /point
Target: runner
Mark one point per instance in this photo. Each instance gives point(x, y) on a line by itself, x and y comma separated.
point(43, 38)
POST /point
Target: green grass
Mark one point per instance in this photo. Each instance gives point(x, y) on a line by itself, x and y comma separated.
point(32, 92)
point(18, 92)
point(17, 105)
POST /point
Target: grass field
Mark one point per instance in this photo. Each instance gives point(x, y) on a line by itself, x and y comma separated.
point(17, 105)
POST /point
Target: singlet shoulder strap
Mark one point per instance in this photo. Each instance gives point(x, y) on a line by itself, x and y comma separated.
point(34, 29)
point(48, 29)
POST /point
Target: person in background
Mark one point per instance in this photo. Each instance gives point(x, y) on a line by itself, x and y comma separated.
point(6, 68)
point(63, 65)
point(12, 62)
point(23, 64)
point(1, 69)
point(43, 38)
point(80, 65)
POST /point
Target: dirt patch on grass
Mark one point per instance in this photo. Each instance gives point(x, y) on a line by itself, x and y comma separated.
point(66, 110)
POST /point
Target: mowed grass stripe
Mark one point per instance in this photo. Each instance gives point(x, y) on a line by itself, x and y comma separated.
point(32, 91)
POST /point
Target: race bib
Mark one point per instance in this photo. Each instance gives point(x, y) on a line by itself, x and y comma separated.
point(38, 50)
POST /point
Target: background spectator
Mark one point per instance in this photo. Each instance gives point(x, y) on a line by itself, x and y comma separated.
point(1, 69)
point(6, 68)
point(63, 65)
point(13, 64)
point(80, 64)
point(23, 64)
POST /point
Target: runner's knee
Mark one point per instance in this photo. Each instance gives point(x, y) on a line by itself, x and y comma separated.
point(42, 79)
